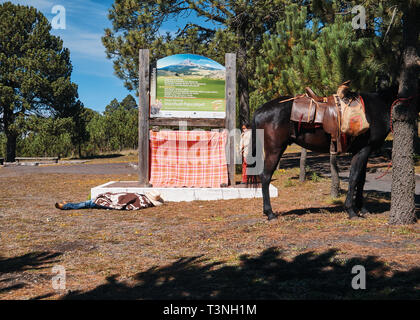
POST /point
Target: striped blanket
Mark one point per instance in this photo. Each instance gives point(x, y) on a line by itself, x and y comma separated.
point(188, 159)
point(123, 201)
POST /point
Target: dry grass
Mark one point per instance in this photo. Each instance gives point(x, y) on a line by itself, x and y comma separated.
point(203, 249)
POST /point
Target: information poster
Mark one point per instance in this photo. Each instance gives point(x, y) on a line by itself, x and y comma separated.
point(188, 86)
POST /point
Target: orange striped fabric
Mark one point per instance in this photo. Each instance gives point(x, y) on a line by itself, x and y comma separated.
point(188, 159)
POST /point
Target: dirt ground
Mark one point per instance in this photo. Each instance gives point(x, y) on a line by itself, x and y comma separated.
point(204, 249)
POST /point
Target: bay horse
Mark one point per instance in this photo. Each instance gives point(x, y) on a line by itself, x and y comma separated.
point(274, 118)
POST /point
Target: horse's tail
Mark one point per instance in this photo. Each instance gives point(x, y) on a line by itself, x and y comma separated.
point(253, 180)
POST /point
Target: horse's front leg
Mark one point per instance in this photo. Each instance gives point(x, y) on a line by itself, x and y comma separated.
point(360, 205)
point(357, 172)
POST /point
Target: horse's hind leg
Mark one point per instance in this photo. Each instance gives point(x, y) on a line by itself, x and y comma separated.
point(270, 165)
point(357, 171)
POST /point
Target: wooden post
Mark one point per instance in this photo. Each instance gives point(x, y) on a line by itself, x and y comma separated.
point(302, 174)
point(144, 101)
point(230, 94)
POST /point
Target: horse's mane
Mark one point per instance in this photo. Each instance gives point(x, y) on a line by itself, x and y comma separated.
point(386, 93)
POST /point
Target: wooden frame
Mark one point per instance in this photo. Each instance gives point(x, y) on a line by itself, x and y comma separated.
point(195, 122)
point(145, 121)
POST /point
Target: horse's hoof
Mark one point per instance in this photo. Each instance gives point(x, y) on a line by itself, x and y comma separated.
point(271, 216)
point(352, 213)
point(364, 212)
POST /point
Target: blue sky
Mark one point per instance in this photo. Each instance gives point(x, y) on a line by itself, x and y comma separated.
point(92, 71)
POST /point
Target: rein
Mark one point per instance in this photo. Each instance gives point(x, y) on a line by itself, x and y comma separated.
point(299, 96)
point(386, 171)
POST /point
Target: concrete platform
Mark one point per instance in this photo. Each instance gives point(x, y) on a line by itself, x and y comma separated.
point(184, 194)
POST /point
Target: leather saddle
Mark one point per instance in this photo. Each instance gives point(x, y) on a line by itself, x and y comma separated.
point(312, 110)
point(312, 95)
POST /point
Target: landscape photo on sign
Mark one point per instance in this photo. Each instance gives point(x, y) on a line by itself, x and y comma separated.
point(188, 86)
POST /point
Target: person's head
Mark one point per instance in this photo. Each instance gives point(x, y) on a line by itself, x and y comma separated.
point(245, 127)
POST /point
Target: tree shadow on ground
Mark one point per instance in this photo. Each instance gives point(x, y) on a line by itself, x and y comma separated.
point(371, 203)
point(268, 276)
point(374, 206)
point(26, 262)
point(29, 261)
point(303, 211)
point(320, 163)
point(99, 156)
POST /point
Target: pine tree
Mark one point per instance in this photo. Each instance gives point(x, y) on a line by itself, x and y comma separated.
point(303, 52)
point(112, 106)
point(129, 102)
point(35, 71)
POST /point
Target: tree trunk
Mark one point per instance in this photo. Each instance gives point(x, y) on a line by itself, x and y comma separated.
point(403, 180)
point(10, 146)
point(335, 179)
point(404, 117)
point(302, 173)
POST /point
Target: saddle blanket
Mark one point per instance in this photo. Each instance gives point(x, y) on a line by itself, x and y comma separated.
point(353, 117)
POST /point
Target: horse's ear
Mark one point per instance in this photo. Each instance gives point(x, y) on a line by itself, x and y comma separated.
point(346, 83)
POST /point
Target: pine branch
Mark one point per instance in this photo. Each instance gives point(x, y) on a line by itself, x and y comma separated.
point(222, 9)
point(201, 28)
point(201, 12)
point(390, 24)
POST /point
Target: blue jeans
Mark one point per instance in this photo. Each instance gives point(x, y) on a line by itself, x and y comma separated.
point(82, 205)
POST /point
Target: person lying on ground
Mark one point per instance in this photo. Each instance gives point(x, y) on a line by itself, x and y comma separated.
point(117, 201)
